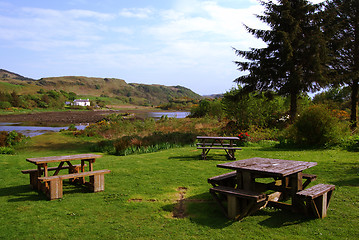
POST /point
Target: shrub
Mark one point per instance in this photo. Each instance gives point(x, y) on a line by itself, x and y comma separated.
point(260, 109)
point(72, 127)
point(317, 127)
point(6, 150)
point(211, 108)
point(8, 140)
point(5, 105)
point(351, 144)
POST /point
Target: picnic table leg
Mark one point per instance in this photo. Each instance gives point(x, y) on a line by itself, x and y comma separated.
point(296, 186)
point(231, 151)
point(247, 181)
point(83, 170)
point(239, 180)
point(204, 155)
point(233, 206)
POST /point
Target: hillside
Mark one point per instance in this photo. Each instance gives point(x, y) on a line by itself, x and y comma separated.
point(135, 93)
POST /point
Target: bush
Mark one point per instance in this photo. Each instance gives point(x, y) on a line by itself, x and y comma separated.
point(317, 127)
point(211, 108)
point(5, 105)
point(259, 109)
point(351, 144)
point(6, 150)
point(8, 140)
point(72, 127)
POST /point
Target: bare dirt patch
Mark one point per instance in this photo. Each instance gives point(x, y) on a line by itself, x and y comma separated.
point(179, 210)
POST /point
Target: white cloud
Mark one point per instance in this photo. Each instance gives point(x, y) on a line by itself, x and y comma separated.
point(45, 29)
point(141, 13)
point(183, 45)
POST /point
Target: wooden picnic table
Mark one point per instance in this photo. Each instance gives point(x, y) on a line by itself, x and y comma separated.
point(207, 143)
point(52, 185)
point(287, 181)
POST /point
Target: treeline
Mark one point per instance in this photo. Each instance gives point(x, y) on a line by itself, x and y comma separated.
point(309, 47)
point(184, 103)
point(43, 99)
point(323, 120)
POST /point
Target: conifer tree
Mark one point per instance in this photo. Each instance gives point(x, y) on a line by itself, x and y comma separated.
point(342, 25)
point(294, 60)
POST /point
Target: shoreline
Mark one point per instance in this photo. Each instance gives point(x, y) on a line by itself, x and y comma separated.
point(61, 117)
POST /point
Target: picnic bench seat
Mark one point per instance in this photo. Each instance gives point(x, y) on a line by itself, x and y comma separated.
point(315, 200)
point(96, 184)
point(235, 198)
point(229, 150)
point(309, 178)
point(216, 144)
point(227, 179)
point(33, 173)
point(219, 147)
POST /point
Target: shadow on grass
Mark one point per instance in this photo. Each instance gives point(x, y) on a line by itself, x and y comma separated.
point(21, 193)
point(279, 218)
point(354, 182)
point(79, 147)
point(203, 210)
point(25, 193)
point(289, 149)
point(215, 157)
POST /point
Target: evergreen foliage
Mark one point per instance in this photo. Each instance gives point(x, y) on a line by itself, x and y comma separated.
point(292, 62)
point(342, 27)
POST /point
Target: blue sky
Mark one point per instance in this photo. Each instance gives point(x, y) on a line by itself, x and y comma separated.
point(168, 42)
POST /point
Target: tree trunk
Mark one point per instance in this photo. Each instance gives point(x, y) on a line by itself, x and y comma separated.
point(354, 102)
point(293, 107)
point(354, 96)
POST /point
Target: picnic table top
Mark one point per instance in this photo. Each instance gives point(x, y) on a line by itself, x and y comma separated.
point(268, 166)
point(217, 138)
point(42, 160)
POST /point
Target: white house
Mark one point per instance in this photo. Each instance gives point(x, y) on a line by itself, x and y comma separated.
point(80, 102)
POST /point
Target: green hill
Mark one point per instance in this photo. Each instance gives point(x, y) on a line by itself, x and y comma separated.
point(140, 94)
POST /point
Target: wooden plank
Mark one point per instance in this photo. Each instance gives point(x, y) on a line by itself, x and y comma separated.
point(267, 166)
point(215, 144)
point(216, 138)
point(224, 148)
point(239, 192)
point(98, 182)
point(55, 189)
point(62, 158)
point(28, 171)
point(316, 191)
point(222, 176)
point(72, 175)
point(59, 168)
point(84, 174)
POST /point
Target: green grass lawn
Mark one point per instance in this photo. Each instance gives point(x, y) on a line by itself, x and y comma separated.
point(142, 191)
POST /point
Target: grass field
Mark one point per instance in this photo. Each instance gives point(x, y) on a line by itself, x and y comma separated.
point(142, 192)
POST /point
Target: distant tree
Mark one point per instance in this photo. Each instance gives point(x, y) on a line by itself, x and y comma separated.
point(72, 96)
point(293, 61)
point(342, 18)
point(334, 97)
point(15, 100)
point(3, 97)
point(259, 109)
